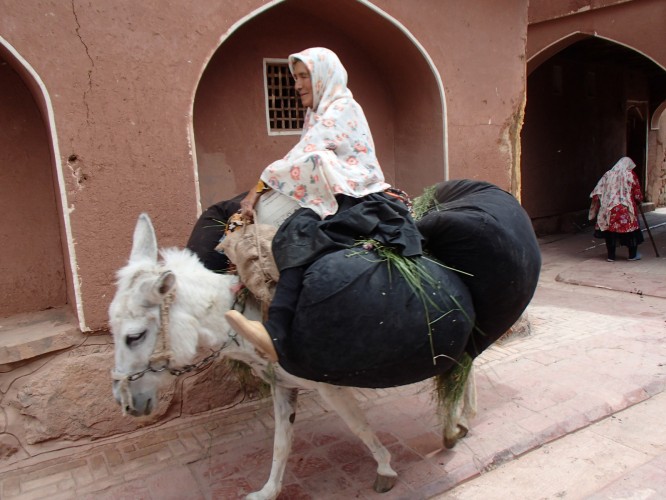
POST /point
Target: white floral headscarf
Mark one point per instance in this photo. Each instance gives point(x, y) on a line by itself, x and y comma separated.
point(614, 189)
point(336, 153)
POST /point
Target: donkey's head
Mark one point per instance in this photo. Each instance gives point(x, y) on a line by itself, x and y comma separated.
point(137, 315)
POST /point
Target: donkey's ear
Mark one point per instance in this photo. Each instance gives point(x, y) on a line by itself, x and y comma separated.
point(144, 243)
point(166, 283)
point(162, 286)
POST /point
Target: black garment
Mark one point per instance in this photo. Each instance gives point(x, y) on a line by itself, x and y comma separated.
point(304, 237)
point(480, 229)
point(208, 231)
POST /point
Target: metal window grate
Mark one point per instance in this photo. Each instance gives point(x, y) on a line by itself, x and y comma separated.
point(284, 110)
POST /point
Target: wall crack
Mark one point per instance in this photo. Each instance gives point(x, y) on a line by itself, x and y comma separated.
point(92, 63)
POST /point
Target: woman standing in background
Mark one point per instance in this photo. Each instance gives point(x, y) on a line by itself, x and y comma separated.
point(614, 204)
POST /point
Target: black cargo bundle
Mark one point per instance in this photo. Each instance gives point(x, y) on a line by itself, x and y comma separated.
point(208, 232)
point(359, 323)
point(482, 230)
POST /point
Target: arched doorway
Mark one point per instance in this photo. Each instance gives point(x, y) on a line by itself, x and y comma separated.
point(32, 263)
point(587, 106)
point(232, 141)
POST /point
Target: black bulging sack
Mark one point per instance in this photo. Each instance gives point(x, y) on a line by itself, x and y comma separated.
point(480, 229)
point(358, 323)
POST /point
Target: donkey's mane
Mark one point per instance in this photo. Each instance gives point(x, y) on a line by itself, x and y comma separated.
point(182, 261)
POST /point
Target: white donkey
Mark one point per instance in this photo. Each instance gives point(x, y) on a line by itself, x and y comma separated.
point(163, 311)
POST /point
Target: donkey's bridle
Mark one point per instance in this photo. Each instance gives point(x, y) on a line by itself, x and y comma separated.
point(160, 359)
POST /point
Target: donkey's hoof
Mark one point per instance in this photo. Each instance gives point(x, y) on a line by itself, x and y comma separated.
point(384, 483)
point(462, 431)
point(450, 441)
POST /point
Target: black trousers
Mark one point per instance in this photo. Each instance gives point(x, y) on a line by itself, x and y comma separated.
point(610, 249)
point(630, 240)
point(283, 307)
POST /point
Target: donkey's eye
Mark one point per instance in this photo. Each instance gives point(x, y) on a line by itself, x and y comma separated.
point(134, 338)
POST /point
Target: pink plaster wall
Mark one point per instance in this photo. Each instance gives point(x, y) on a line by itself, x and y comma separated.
point(636, 24)
point(122, 77)
point(478, 48)
point(549, 10)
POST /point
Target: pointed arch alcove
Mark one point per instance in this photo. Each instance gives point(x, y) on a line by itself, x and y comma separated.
point(585, 95)
point(33, 261)
point(389, 74)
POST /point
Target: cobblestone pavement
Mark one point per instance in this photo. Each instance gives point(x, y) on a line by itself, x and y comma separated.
point(592, 370)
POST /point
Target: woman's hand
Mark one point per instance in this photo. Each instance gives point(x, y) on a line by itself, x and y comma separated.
point(247, 204)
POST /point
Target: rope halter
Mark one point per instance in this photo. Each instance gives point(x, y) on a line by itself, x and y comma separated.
point(160, 357)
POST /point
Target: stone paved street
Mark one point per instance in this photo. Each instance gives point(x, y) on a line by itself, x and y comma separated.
point(572, 410)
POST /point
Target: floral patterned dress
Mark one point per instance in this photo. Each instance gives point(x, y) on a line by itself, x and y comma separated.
point(623, 218)
point(336, 152)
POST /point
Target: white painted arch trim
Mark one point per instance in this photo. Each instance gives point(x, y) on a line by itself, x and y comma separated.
point(575, 36)
point(369, 5)
point(57, 164)
point(578, 36)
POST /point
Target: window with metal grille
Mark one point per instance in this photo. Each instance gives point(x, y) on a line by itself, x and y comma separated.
point(284, 112)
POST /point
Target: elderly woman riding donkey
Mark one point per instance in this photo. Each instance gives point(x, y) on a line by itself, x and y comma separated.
point(366, 295)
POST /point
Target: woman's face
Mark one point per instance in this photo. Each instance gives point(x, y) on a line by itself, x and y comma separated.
point(303, 84)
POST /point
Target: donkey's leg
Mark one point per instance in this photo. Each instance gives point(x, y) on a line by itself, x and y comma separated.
point(284, 404)
point(451, 417)
point(343, 402)
point(469, 404)
point(456, 417)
